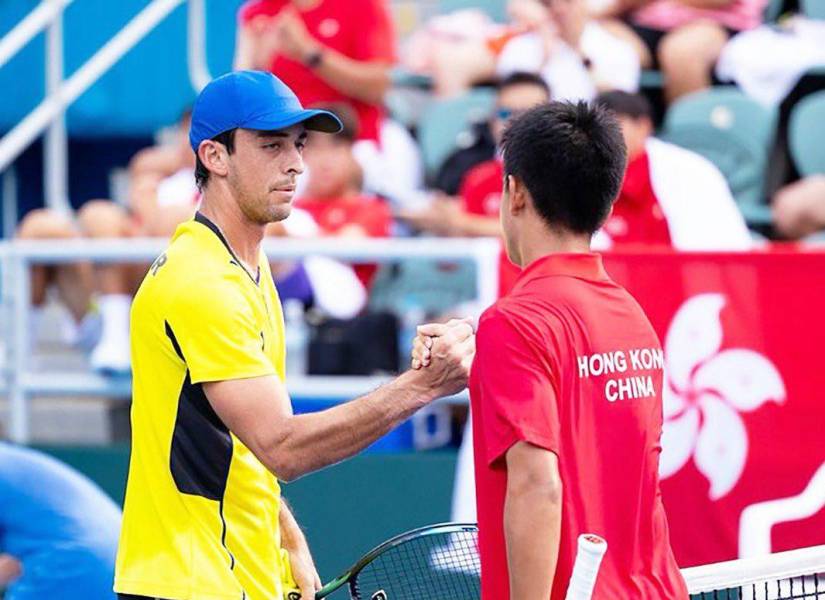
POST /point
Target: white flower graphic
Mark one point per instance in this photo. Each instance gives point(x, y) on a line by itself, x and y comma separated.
point(705, 390)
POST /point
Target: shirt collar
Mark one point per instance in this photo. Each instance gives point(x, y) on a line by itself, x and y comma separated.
point(581, 265)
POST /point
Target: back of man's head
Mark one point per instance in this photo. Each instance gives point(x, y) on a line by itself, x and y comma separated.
point(571, 158)
point(625, 104)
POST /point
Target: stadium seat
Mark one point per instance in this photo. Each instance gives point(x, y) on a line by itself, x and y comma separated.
point(445, 121)
point(814, 9)
point(773, 10)
point(497, 9)
point(736, 134)
point(806, 130)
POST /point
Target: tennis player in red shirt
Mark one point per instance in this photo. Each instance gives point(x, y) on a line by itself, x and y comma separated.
point(566, 386)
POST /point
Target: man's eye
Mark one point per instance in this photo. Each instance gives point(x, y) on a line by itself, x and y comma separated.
point(300, 146)
point(273, 145)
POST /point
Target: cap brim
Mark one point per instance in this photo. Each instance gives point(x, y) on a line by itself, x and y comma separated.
point(313, 119)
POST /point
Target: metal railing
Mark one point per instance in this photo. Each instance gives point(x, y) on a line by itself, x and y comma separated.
point(49, 115)
point(17, 257)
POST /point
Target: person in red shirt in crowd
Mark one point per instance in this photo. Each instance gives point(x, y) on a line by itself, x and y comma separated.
point(333, 195)
point(670, 196)
point(566, 385)
point(326, 50)
point(474, 213)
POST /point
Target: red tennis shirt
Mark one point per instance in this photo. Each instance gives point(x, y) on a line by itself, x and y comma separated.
point(570, 363)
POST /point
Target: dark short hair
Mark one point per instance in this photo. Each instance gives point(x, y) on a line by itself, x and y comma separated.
point(227, 138)
point(571, 158)
point(523, 78)
point(625, 104)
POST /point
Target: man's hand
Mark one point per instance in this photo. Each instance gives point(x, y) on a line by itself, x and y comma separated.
point(294, 40)
point(304, 573)
point(447, 350)
point(10, 569)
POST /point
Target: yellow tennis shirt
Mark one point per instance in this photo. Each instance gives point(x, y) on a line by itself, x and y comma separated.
point(200, 520)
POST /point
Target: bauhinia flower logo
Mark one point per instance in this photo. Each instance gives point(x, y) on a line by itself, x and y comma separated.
point(705, 391)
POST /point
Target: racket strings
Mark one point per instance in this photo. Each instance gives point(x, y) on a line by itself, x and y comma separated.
point(442, 567)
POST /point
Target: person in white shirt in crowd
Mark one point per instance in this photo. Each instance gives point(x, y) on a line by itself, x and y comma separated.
point(162, 194)
point(670, 196)
point(682, 38)
point(577, 57)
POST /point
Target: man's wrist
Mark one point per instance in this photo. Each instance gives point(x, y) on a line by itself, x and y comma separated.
point(418, 384)
point(313, 58)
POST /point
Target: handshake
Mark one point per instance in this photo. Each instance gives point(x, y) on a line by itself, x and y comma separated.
point(443, 353)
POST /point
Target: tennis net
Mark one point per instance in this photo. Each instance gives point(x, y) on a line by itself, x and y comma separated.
point(794, 575)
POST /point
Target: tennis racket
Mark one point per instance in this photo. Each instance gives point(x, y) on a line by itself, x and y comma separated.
point(435, 562)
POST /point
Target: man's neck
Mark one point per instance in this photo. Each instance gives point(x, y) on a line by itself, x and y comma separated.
point(243, 236)
point(541, 242)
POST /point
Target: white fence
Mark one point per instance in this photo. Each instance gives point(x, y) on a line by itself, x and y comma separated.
point(21, 382)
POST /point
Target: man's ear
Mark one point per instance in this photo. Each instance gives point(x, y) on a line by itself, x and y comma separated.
point(517, 193)
point(214, 156)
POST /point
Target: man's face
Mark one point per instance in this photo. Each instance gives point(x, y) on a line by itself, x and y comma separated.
point(512, 101)
point(263, 171)
point(635, 132)
point(333, 170)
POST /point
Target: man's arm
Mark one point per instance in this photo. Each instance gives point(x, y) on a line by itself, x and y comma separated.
point(532, 520)
point(259, 412)
point(293, 541)
point(10, 569)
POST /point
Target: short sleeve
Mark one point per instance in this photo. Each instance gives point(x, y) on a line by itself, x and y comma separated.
point(376, 40)
point(256, 8)
point(518, 399)
point(214, 331)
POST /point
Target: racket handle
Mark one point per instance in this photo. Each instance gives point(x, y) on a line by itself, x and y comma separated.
point(591, 549)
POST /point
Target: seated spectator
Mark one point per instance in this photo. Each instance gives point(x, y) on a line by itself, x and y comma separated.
point(670, 196)
point(577, 57)
point(58, 531)
point(332, 192)
point(683, 38)
point(332, 52)
point(460, 49)
point(162, 195)
point(475, 212)
point(799, 208)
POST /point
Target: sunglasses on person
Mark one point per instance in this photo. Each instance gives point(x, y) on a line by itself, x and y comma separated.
point(503, 113)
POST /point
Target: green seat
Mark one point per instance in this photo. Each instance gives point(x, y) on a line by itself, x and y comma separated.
point(773, 10)
point(806, 132)
point(497, 9)
point(736, 134)
point(814, 9)
point(445, 122)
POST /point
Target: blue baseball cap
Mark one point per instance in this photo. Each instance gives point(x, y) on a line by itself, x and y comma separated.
point(252, 100)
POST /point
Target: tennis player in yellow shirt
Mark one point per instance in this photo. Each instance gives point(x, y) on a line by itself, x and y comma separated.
point(212, 424)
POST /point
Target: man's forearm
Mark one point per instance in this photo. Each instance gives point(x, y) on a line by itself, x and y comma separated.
point(532, 524)
point(292, 537)
point(312, 441)
point(365, 81)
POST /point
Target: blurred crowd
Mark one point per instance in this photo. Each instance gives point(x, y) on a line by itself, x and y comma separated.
point(688, 79)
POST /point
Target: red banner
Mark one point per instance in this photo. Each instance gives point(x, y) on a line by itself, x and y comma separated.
point(743, 460)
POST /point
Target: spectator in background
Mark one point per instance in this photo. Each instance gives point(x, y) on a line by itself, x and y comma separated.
point(162, 195)
point(576, 56)
point(333, 190)
point(58, 531)
point(683, 38)
point(670, 196)
point(475, 211)
point(799, 208)
point(330, 51)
